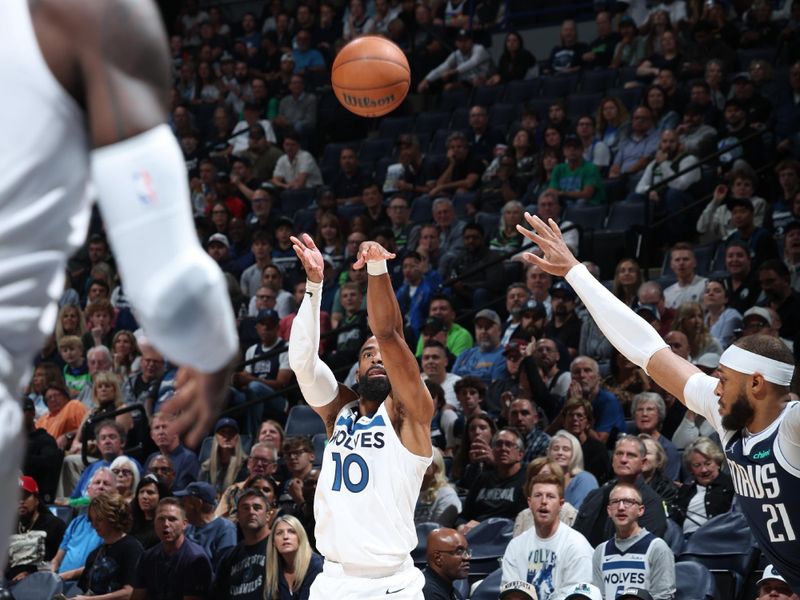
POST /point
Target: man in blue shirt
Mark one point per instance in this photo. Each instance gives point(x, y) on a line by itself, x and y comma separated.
point(485, 359)
point(608, 415)
point(184, 461)
point(214, 534)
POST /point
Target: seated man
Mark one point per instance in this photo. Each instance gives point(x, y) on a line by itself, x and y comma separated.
point(111, 438)
point(448, 557)
point(690, 287)
point(485, 359)
point(184, 461)
point(456, 338)
point(577, 181)
point(296, 169)
point(497, 492)
point(551, 555)
point(213, 534)
point(634, 556)
point(262, 462)
point(477, 276)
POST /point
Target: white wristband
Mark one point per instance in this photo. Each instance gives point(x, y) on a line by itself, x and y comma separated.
point(377, 267)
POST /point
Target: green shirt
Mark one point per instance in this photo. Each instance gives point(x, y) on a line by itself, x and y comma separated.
point(458, 340)
point(565, 179)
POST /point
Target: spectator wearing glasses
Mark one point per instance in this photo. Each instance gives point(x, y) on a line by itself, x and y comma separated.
point(169, 444)
point(448, 557)
point(262, 462)
point(633, 555)
point(161, 467)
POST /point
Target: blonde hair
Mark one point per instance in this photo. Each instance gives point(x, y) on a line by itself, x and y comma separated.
point(275, 562)
point(576, 460)
point(70, 341)
point(113, 379)
point(237, 461)
point(60, 328)
point(535, 467)
point(658, 450)
point(705, 447)
point(701, 338)
point(114, 510)
point(428, 495)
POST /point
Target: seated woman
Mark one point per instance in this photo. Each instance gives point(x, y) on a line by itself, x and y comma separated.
point(565, 449)
point(546, 466)
point(106, 398)
point(228, 461)
point(127, 474)
point(143, 509)
point(711, 491)
point(292, 566)
point(577, 418)
point(649, 411)
point(474, 454)
point(690, 320)
point(438, 500)
point(653, 470)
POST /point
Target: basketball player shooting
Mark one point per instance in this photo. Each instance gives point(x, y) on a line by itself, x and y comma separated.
point(379, 442)
point(748, 403)
point(87, 97)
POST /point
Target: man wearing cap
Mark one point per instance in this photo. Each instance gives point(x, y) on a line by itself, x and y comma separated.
point(565, 326)
point(42, 455)
point(583, 591)
point(242, 572)
point(214, 534)
point(448, 557)
point(774, 278)
point(577, 181)
point(485, 359)
point(458, 339)
point(517, 590)
point(469, 64)
point(219, 248)
point(670, 159)
point(772, 586)
point(37, 536)
point(176, 568)
point(758, 108)
point(551, 555)
point(260, 379)
point(634, 556)
point(634, 593)
point(748, 404)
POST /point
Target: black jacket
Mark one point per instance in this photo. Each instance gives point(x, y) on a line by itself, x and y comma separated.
point(718, 499)
point(43, 463)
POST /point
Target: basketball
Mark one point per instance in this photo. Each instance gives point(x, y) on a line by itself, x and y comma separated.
point(371, 76)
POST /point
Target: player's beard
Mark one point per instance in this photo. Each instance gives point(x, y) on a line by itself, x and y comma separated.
point(374, 389)
point(740, 414)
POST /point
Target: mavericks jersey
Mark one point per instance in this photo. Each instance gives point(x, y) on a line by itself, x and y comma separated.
point(366, 493)
point(766, 481)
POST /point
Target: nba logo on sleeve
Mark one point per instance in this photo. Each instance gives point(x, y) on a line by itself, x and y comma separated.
point(143, 188)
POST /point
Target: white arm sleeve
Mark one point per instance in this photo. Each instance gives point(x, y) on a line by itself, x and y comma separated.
point(627, 331)
point(315, 378)
point(789, 437)
point(178, 292)
point(701, 399)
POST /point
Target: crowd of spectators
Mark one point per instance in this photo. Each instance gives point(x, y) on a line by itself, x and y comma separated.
point(539, 420)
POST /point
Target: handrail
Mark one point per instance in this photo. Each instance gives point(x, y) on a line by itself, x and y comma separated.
point(104, 416)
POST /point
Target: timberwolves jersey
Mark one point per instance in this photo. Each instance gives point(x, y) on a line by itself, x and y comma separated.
point(767, 483)
point(625, 568)
point(366, 493)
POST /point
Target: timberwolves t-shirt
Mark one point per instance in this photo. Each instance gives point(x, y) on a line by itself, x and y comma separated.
point(241, 573)
point(111, 566)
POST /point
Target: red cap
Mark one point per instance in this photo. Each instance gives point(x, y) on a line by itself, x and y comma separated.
point(28, 484)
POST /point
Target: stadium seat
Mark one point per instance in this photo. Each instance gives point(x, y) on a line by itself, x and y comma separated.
point(501, 115)
point(694, 582)
point(626, 74)
point(489, 221)
point(488, 542)
point(598, 81)
point(624, 215)
point(462, 586)
point(419, 554)
point(65, 513)
point(37, 586)
point(486, 95)
point(725, 545)
point(381, 166)
point(705, 256)
point(460, 118)
point(605, 249)
point(304, 220)
point(295, 200)
point(452, 99)
point(375, 149)
point(541, 106)
point(348, 211)
point(428, 122)
point(674, 536)
point(205, 447)
point(391, 127)
point(489, 588)
point(583, 104)
point(302, 420)
point(330, 155)
point(319, 440)
point(587, 217)
point(439, 141)
point(559, 85)
point(460, 202)
point(521, 92)
point(748, 55)
point(630, 97)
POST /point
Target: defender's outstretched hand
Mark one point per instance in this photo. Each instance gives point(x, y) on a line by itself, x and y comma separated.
point(310, 256)
point(371, 251)
point(196, 403)
point(557, 259)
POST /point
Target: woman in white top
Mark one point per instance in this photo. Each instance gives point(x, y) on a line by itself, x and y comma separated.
point(565, 449)
point(438, 500)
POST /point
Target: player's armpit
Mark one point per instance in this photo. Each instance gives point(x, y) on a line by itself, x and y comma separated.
point(671, 372)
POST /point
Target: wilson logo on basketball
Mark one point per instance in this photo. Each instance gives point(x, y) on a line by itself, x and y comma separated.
point(365, 102)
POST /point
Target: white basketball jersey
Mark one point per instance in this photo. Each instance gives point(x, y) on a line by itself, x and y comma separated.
point(366, 493)
point(43, 189)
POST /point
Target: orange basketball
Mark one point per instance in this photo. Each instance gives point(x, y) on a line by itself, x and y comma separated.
point(371, 76)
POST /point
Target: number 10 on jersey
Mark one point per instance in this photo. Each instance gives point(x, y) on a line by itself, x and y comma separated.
point(343, 473)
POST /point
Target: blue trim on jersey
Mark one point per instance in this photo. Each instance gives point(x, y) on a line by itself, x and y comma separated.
point(624, 564)
point(352, 428)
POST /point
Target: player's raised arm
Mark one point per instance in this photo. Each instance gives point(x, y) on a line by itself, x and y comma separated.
point(627, 332)
point(316, 380)
point(410, 400)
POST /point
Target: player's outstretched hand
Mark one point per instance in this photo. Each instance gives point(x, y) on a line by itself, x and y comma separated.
point(196, 403)
point(557, 259)
point(371, 251)
point(310, 256)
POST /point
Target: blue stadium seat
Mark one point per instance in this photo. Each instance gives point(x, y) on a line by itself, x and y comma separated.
point(588, 217)
point(583, 104)
point(624, 215)
point(626, 74)
point(439, 141)
point(330, 155)
point(379, 176)
point(302, 420)
point(630, 97)
point(489, 588)
point(319, 440)
point(419, 554)
point(65, 513)
point(304, 220)
point(375, 149)
point(421, 210)
point(674, 536)
point(489, 221)
point(391, 127)
point(559, 85)
point(452, 99)
point(704, 254)
point(486, 95)
point(37, 586)
point(295, 200)
point(488, 542)
point(748, 55)
point(460, 118)
point(598, 80)
point(501, 115)
point(205, 447)
point(348, 211)
point(521, 92)
point(694, 582)
point(428, 122)
point(725, 545)
point(541, 106)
